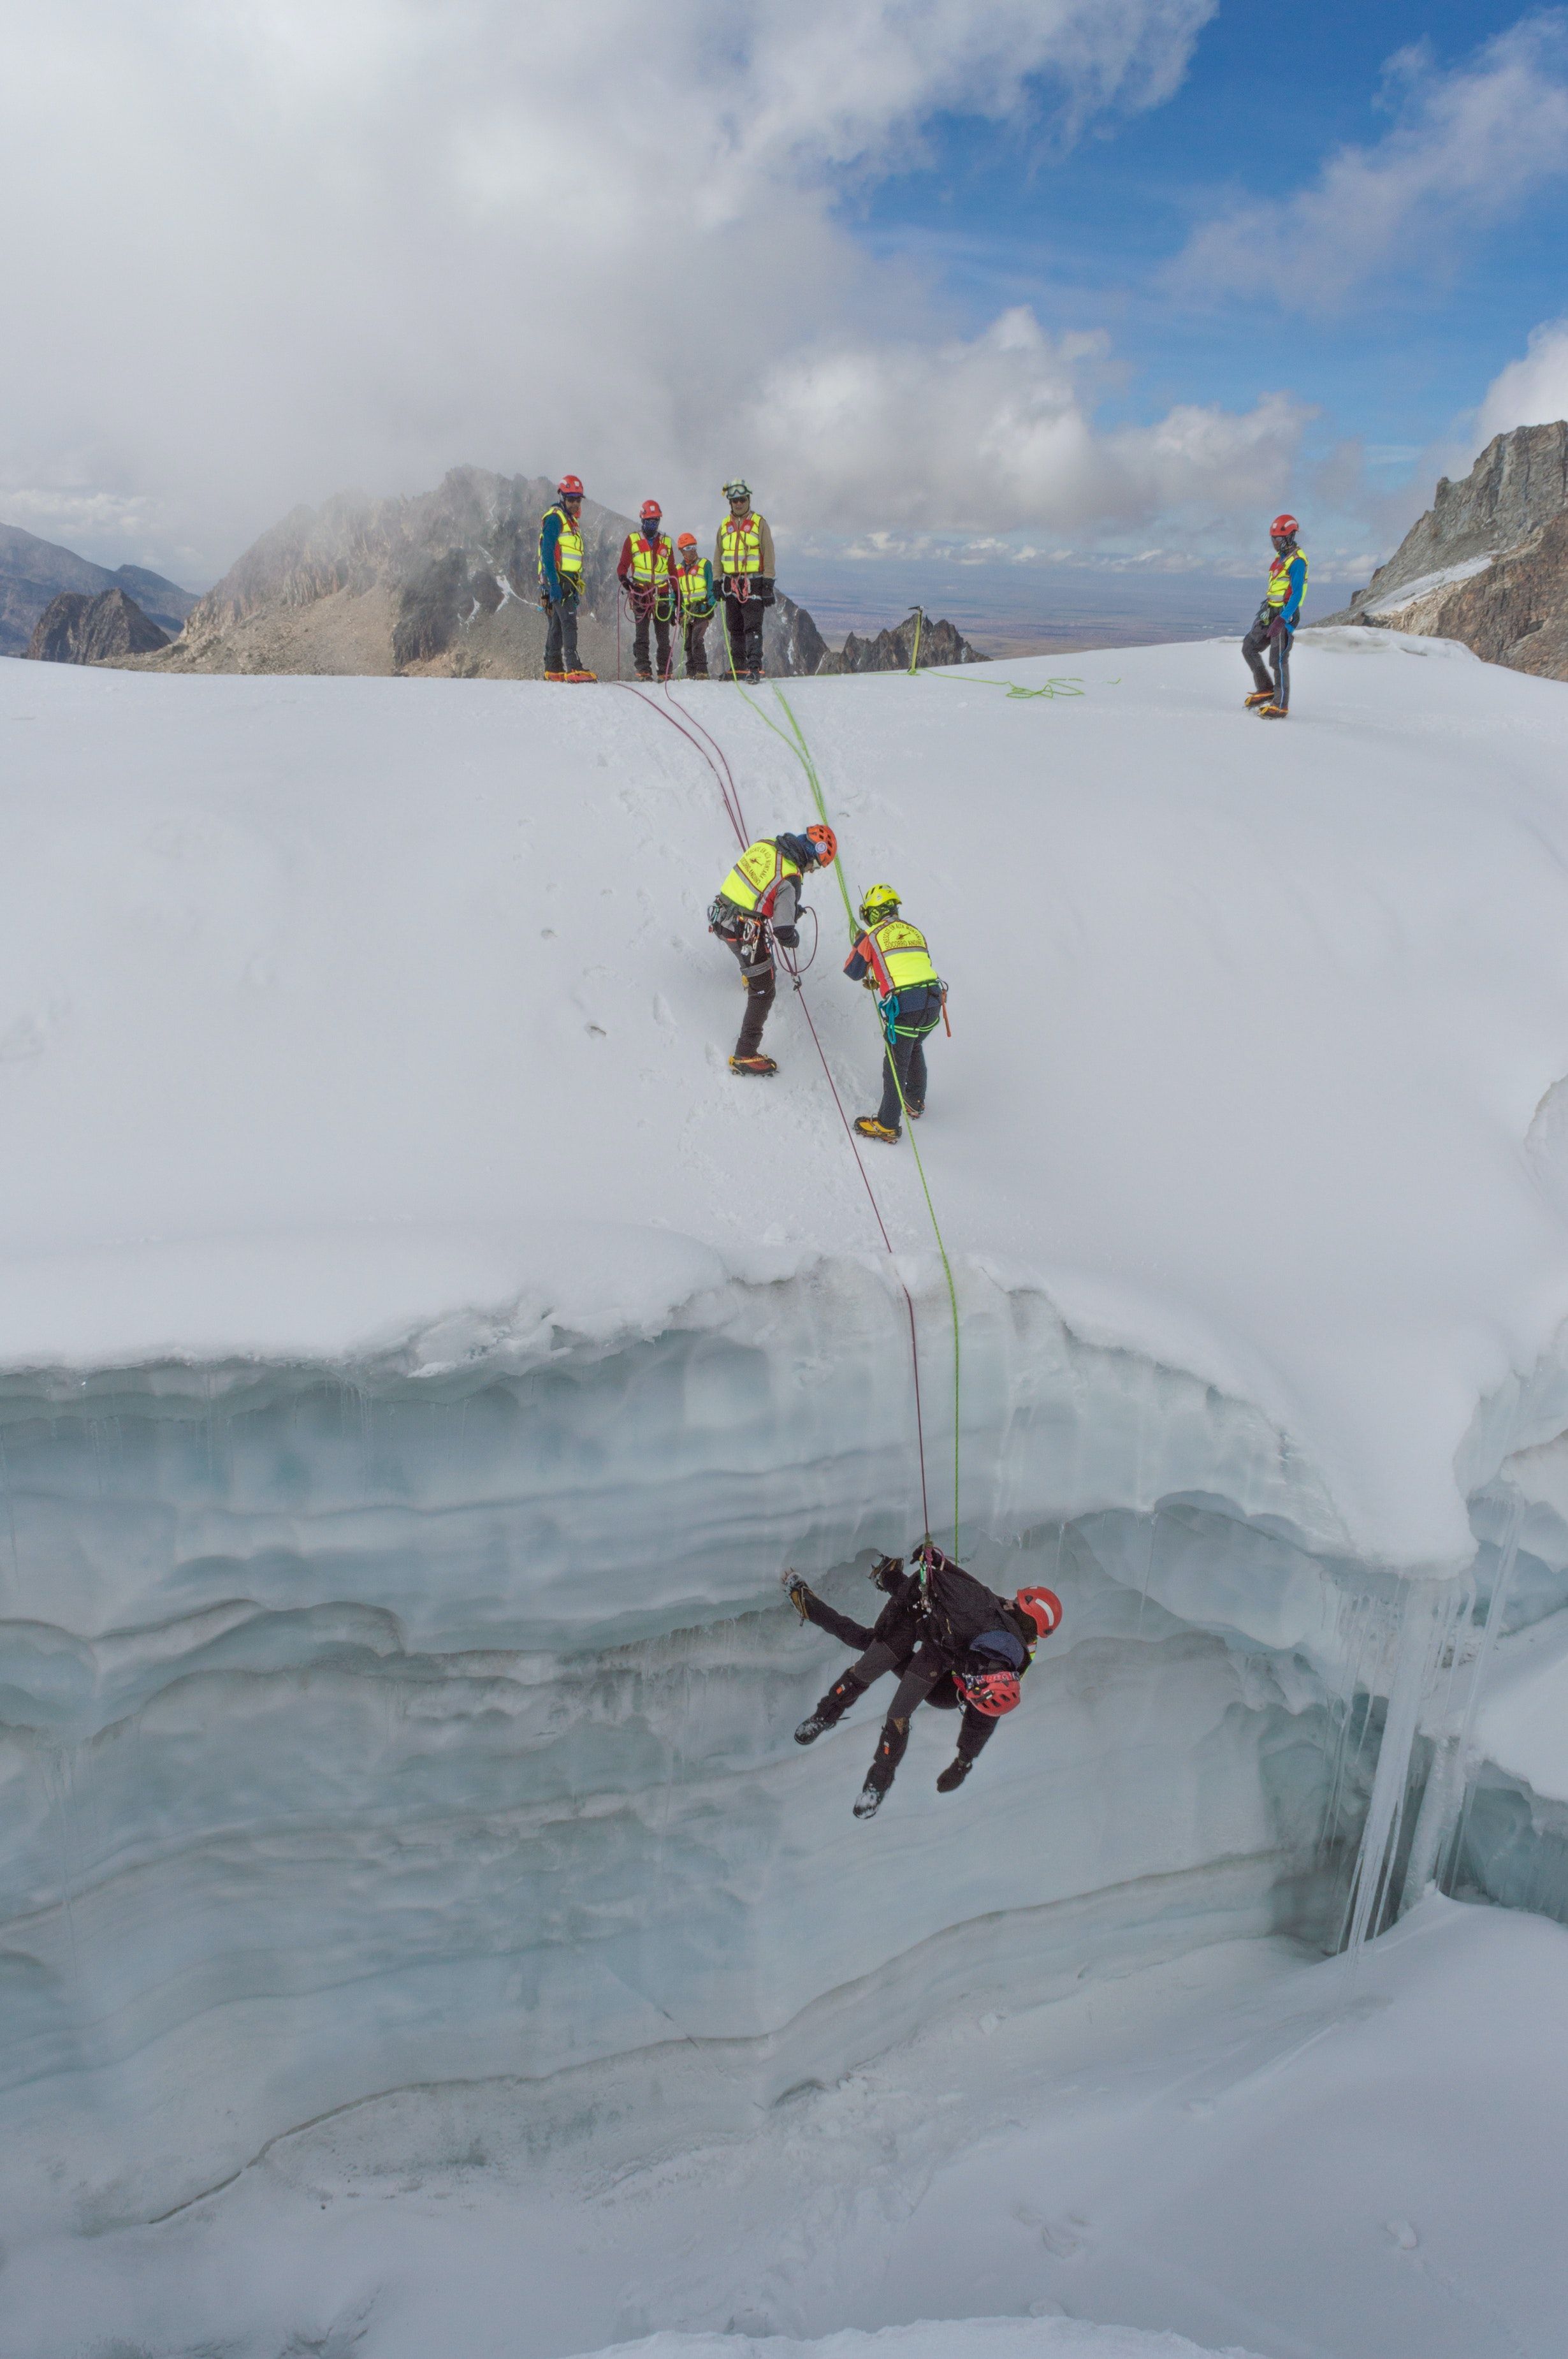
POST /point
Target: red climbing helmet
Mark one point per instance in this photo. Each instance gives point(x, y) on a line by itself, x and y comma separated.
point(993, 1693)
point(1285, 527)
point(686, 541)
point(827, 844)
point(569, 488)
point(649, 512)
point(1044, 1608)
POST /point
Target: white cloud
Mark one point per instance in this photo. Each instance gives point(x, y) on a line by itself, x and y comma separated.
point(997, 432)
point(1468, 148)
point(1532, 391)
point(276, 249)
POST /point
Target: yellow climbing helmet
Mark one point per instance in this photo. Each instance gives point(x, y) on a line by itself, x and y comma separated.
point(882, 901)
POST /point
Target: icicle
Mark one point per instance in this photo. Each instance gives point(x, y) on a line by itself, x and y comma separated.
point(1424, 1626)
point(1464, 1750)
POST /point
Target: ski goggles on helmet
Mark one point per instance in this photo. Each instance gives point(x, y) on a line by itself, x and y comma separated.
point(736, 490)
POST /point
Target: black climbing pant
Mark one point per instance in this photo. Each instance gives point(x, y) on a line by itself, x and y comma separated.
point(743, 622)
point(919, 1013)
point(697, 647)
point(924, 1676)
point(761, 992)
point(560, 636)
point(1255, 646)
point(661, 639)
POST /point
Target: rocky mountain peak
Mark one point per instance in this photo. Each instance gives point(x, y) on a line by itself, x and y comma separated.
point(75, 628)
point(1488, 564)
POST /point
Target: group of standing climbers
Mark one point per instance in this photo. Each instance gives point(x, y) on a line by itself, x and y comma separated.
point(663, 582)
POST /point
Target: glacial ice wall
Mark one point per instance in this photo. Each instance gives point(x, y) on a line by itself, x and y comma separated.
point(366, 1727)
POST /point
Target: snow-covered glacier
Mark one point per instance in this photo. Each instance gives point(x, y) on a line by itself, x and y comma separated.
point(419, 1357)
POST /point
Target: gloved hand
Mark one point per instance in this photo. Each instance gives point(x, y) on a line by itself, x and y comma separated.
point(886, 1570)
point(788, 935)
point(954, 1775)
point(1278, 629)
point(796, 1592)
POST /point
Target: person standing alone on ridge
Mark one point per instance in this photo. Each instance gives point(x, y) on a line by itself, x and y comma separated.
point(757, 906)
point(646, 572)
point(1276, 624)
point(891, 958)
point(695, 577)
point(743, 560)
point(560, 579)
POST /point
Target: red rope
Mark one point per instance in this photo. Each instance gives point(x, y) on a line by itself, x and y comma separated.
point(718, 763)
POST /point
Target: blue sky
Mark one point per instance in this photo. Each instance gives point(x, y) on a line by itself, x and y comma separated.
point(1023, 283)
point(1086, 231)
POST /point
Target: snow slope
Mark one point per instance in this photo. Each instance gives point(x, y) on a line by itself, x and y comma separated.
point(420, 1355)
point(329, 1008)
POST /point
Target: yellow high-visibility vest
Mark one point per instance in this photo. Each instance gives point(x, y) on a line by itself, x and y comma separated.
point(1279, 588)
point(759, 867)
point(695, 591)
point(568, 548)
point(650, 560)
point(900, 959)
point(740, 545)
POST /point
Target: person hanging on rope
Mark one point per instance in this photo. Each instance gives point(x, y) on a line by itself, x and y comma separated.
point(694, 578)
point(1275, 628)
point(949, 1641)
point(758, 904)
point(646, 571)
point(743, 560)
point(560, 579)
point(891, 958)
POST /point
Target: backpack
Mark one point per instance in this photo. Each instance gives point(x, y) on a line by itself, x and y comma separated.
point(958, 1608)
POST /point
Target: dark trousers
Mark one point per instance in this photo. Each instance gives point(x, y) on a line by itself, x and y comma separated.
point(924, 1676)
point(560, 634)
point(743, 622)
point(697, 647)
point(761, 990)
point(661, 624)
point(1255, 646)
point(918, 1016)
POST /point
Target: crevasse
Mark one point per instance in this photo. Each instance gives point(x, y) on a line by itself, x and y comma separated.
point(430, 1718)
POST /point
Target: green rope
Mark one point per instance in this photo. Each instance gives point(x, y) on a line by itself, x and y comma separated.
point(915, 658)
point(1070, 685)
point(802, 753)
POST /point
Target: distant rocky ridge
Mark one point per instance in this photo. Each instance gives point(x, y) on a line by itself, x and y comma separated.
point(33, 572)
point(74, 629)
point(894, 650)
point(1488, 563)
point(445, 584)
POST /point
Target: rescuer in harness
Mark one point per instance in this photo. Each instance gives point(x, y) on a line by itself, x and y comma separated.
point(694, 577)
point(951, 1642)
point(758, 904)
point(743, 560)
point(560, 579)
point(891, 959)
point(646, 572)
point(1275, 626)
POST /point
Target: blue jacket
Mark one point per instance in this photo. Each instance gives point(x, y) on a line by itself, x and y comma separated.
point(1297, 573)
point(549, 541)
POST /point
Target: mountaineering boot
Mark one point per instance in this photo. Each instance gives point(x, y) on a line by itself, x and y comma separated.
point(760, 1066)
point(1273, 711)
point(753, 680)
point(1260, 696)
point(869, 1127)
point(582, 674)
point(831, 1710)
point(797, 1592)
point(954, 1775)
point(555, 675)
point(913, 1111)
point(869, 1801)
point(643, 673)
